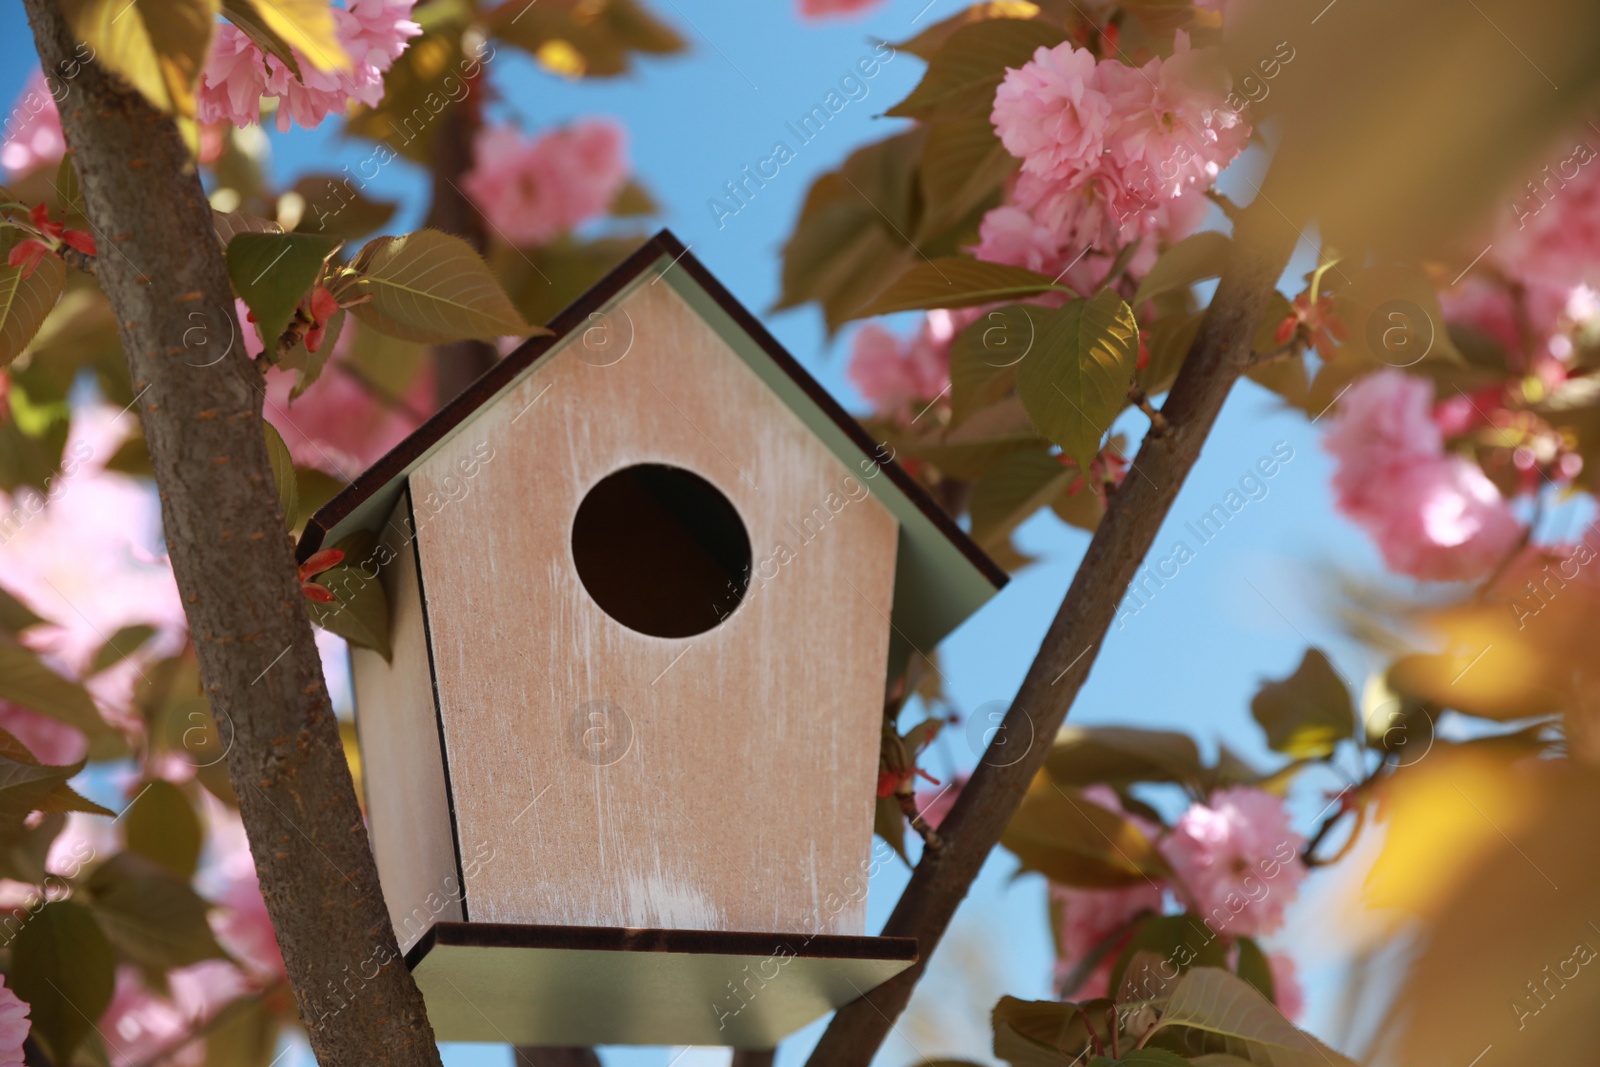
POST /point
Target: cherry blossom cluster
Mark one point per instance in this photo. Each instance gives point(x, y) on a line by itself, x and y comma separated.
point(533, 190)
point(1111, 154)
point(238, 75)
point(896, 375)
point(1236, 861)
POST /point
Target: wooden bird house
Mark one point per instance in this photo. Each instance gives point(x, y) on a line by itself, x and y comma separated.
point(646, 580)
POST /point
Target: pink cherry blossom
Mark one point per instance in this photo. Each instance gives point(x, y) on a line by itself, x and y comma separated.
point(934, 804)
point(237, 74)
point(140, 1025)
point(1237, 860)
point(816, 9)
point(1111, 154)
point(341, 425)
point(1286, 990)
point(241, 922)
point(52, 742)
point(1434, 515)
point(33, 129)
point(1052, 113)
point(533, 190)
point(14, 1026)
point(893, 374)
point(1090, 916)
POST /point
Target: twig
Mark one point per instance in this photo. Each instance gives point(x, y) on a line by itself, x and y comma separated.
point(75, 258)
point(941, 880)
point(1140, 400)
point(908, 807)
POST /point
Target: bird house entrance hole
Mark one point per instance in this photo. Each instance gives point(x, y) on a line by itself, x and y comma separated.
point(661, 550)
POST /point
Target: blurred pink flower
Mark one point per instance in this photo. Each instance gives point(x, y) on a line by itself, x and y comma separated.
point(816, 9)
point(1090, 916)
point(33, 129)
point(141, 1025)
point(85, 556)
point(240, 922)
point(1434, 515)
point(340, 425)
point(893, 374)
point(237, 75)
point(1238, 859)
point(533, 190)
point(1288, 995)
point(934, 804)
point(51, 742)
point(14, 1026)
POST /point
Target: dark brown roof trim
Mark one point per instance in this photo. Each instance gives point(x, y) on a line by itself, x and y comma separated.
point(395, 462)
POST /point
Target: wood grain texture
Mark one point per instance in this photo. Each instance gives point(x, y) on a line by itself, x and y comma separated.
point(408, 808)
point(741, 792)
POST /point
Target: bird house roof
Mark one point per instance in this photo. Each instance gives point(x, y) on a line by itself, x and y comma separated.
point(941, 575)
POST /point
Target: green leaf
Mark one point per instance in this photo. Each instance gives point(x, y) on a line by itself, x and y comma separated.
point(1254, 968)
point(984, 358)
point(157, 46)
point(1306, 714)
point(1191, 260)
point(25, 680)
point(850, 239)
point(413, 109)
point(1142, 1057)
point(153, 917)
point(307, 364)
point(1047, 1033)
point(26, 302)
point(1121, 756)
point(306, 25)
point(632, 201)
point(967, 69)
point(119, 646)
point(162, 826)
point(592, 39)
point(1074, 841)
point(69, 193)
point(1230, 1016)
point(1219, 1059)
point(1075, 380)
point(957, 282)
point(361, 615)
point(273, 272)
point(1013, 489)
point(1178, 941)
point(283, 474)
point(243, 1034)
point(433, 288)
point(15, 616)
point(889, 823)
point(963, 167)
point(63, 966)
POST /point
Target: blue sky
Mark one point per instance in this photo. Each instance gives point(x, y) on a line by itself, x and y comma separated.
point(1243, 609)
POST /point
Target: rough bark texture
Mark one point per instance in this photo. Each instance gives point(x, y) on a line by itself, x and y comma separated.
point(458, 365)
point(1215, 361)
point(200, 399)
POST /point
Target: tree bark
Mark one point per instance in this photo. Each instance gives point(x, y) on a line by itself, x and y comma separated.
point(745, 1057)
point(1216, 359)
point(200, 397)
point(458, 364)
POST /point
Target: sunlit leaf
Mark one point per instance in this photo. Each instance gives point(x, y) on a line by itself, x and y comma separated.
point(957, 282)
point(963, 74)
point(158, 46)
point(433, 288)
point(1075, 380)
point(1230, 1016)
point(305, 25)
point(26, 302)
point(283, 473)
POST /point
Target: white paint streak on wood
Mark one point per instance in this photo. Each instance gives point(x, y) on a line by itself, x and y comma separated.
point(745, 799)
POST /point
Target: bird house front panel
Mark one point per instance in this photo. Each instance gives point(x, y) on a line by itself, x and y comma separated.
point(658, 610)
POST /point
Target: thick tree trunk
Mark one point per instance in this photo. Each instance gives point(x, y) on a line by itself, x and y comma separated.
point(200, 399)
point(458, 365)
point(1215, 361)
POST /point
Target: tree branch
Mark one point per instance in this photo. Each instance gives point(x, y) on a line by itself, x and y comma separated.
point(199, 397)
point(550, 1056)
point(1134, 514)
point(458, 364)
